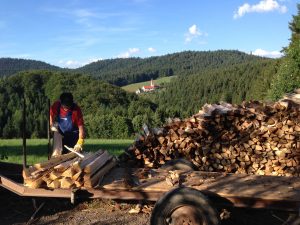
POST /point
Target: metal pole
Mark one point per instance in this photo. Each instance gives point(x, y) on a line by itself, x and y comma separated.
point(24, 133)
point(48, 132)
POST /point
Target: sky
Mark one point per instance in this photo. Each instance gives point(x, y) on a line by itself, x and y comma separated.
point(72, 33)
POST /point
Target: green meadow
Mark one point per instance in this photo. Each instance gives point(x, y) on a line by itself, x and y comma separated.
point(11, 150)
point(135, 86)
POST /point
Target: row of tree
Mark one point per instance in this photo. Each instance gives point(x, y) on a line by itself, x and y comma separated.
point(126, 71)
point(184, 96)
point(288, 76)
point(10, 66)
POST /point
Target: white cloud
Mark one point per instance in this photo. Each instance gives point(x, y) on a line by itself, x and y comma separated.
point(72, 64)
point(129, 53)
point(265, 53)
point(193, 33)
point(262, 6)
point(150, 49)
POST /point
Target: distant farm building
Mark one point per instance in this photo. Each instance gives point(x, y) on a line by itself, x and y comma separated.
point(149, 88)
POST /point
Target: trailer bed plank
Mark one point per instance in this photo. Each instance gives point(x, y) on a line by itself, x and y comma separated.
point(226, 185)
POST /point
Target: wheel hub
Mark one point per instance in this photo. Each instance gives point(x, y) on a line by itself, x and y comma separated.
point(185, 215)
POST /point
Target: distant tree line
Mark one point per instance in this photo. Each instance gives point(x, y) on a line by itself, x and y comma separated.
point(185, 96)
point(11, 66)
point(122, 72)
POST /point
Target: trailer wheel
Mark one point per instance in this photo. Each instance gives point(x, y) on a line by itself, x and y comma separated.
point(186, 206)
point(179, 164)
point(296, 222)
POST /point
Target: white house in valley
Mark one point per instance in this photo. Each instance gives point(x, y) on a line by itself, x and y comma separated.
point(148, 88)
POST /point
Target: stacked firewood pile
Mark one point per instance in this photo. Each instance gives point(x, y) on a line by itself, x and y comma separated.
point(69, 170)
point(252, 138)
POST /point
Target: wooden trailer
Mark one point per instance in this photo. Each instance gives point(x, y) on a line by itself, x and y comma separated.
point(181, 196)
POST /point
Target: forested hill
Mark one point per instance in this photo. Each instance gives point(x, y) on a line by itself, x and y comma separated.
point(184, 96)
point(126, 71)
point(10, 66)
point(109, 111)
point(132, 70)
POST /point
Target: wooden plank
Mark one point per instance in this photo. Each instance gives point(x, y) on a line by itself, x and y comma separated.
point(98, 162)
point(70, 172)
point(54, 184)
point(76, 176)
point(275, 188)
point(66, 182)
point(34, 183)
point(54, 175)
point(65, 165)
point(54, 161)
point(88, 159)
point(100, 174)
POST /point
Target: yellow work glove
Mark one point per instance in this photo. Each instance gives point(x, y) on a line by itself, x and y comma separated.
point(79, 145)
point(54, 127)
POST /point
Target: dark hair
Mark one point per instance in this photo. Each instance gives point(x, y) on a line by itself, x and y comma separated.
point(66, 99)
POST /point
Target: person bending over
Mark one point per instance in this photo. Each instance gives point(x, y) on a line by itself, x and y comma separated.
point(66, 119)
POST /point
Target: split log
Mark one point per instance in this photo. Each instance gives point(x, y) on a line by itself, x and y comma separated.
point(98, 176)
point(66, 171)
point(54, 161)
point(97, 163)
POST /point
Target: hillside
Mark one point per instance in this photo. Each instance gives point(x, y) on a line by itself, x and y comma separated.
point(108, 110)
point(111, 112)
point(10, 66)
point(122, 72)
point(184, 96)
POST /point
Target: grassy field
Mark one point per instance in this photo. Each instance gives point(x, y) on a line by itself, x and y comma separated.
point(11, 150)
point(135, 86)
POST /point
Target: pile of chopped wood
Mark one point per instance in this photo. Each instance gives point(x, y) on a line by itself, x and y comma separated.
point(69, 170)
point(252, 138)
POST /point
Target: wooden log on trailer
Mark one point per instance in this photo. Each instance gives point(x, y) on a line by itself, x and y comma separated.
point(79, 165)
point(98, 162)
point(98, 176)
point(54, 161)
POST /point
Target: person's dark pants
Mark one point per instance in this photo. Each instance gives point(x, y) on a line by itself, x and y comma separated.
point(69, 139)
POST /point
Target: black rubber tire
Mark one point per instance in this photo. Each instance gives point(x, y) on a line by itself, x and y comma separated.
point(181, 197)
point(179, 164)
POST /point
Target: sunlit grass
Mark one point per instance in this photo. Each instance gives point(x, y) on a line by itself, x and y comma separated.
point(135, 86)
point(11, 150)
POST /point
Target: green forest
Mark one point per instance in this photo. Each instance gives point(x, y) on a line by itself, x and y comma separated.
point(111, 112)
point(126, 71)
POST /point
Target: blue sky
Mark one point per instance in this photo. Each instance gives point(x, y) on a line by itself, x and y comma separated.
point(71, 33)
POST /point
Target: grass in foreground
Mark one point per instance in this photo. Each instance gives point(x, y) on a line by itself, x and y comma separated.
point(11, 150)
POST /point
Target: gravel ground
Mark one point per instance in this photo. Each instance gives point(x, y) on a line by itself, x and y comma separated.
point(15, 210)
